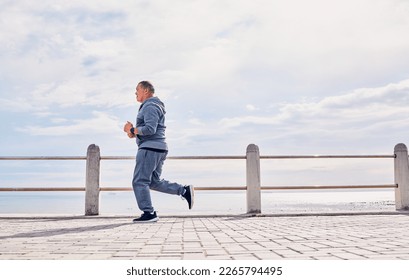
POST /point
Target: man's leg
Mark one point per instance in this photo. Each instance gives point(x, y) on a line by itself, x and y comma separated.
point(145, 165)
point(162, 185)
point(187, 192)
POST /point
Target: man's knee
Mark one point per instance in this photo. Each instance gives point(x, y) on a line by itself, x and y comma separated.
point(140, 182)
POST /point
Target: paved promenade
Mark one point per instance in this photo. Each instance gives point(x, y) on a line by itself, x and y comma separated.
point(353, 237)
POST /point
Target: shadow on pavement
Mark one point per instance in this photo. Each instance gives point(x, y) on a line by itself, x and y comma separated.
point(62, 231)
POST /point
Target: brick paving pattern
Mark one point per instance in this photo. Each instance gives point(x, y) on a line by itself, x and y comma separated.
point(351, 237)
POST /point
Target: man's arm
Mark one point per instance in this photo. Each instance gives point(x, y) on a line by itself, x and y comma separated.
point(130, 130)
point(152, 114)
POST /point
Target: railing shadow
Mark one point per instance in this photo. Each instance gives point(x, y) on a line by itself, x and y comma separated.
point(62, 231)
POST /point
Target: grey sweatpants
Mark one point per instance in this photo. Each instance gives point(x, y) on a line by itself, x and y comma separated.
point(148, 170)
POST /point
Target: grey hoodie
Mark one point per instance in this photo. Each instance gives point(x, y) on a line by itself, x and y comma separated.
point(150, 123)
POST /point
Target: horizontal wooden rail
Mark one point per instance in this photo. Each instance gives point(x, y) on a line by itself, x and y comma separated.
point(196, 157)
point(42, 189)
point(326, 156)
point(116, 157)
point(242, 188)
point(390, 186)
point(272, 188)
point(113, 189)
point(235, 188)
point(44, 158)
point(176, 157)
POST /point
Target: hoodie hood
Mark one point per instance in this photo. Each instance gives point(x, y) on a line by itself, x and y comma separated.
point(154, 101)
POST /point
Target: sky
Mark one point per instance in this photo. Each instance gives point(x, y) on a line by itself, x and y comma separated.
point(293, 77)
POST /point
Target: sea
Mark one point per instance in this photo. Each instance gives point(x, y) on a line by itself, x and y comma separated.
point(206, 202)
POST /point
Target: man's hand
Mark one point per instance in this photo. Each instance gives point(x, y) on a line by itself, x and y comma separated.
point(130, 135)
point(127, 127)
point(127, 130)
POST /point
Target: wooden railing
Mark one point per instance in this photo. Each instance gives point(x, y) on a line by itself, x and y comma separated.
point(253, 187)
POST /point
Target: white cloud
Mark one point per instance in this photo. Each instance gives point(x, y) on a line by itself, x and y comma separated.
point(365, 119)
point(196, 122)
point(250, 107)
point(226, 123)
point(362, 106)
point(59, 120)
point(275, 48)
point(227, 61)
point(100, 123)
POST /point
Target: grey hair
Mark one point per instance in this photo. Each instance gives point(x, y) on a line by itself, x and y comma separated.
point(147, 85)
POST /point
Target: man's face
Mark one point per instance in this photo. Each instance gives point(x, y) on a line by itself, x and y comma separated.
point(141, 94)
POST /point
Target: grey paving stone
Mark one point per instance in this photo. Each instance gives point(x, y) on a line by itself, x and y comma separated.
point(304, 237)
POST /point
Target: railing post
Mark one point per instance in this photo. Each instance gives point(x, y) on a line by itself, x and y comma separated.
point(401, 177)
point(253, 179)
point(92, 181)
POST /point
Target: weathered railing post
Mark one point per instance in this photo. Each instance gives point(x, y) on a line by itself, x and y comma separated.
point(92, 181)
point(253, 179)
point(401, 177)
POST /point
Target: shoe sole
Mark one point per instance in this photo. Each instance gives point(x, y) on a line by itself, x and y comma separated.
point(192, 196)
point(146, 221)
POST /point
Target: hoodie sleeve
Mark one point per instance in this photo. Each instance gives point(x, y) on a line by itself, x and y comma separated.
point(151, 115)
